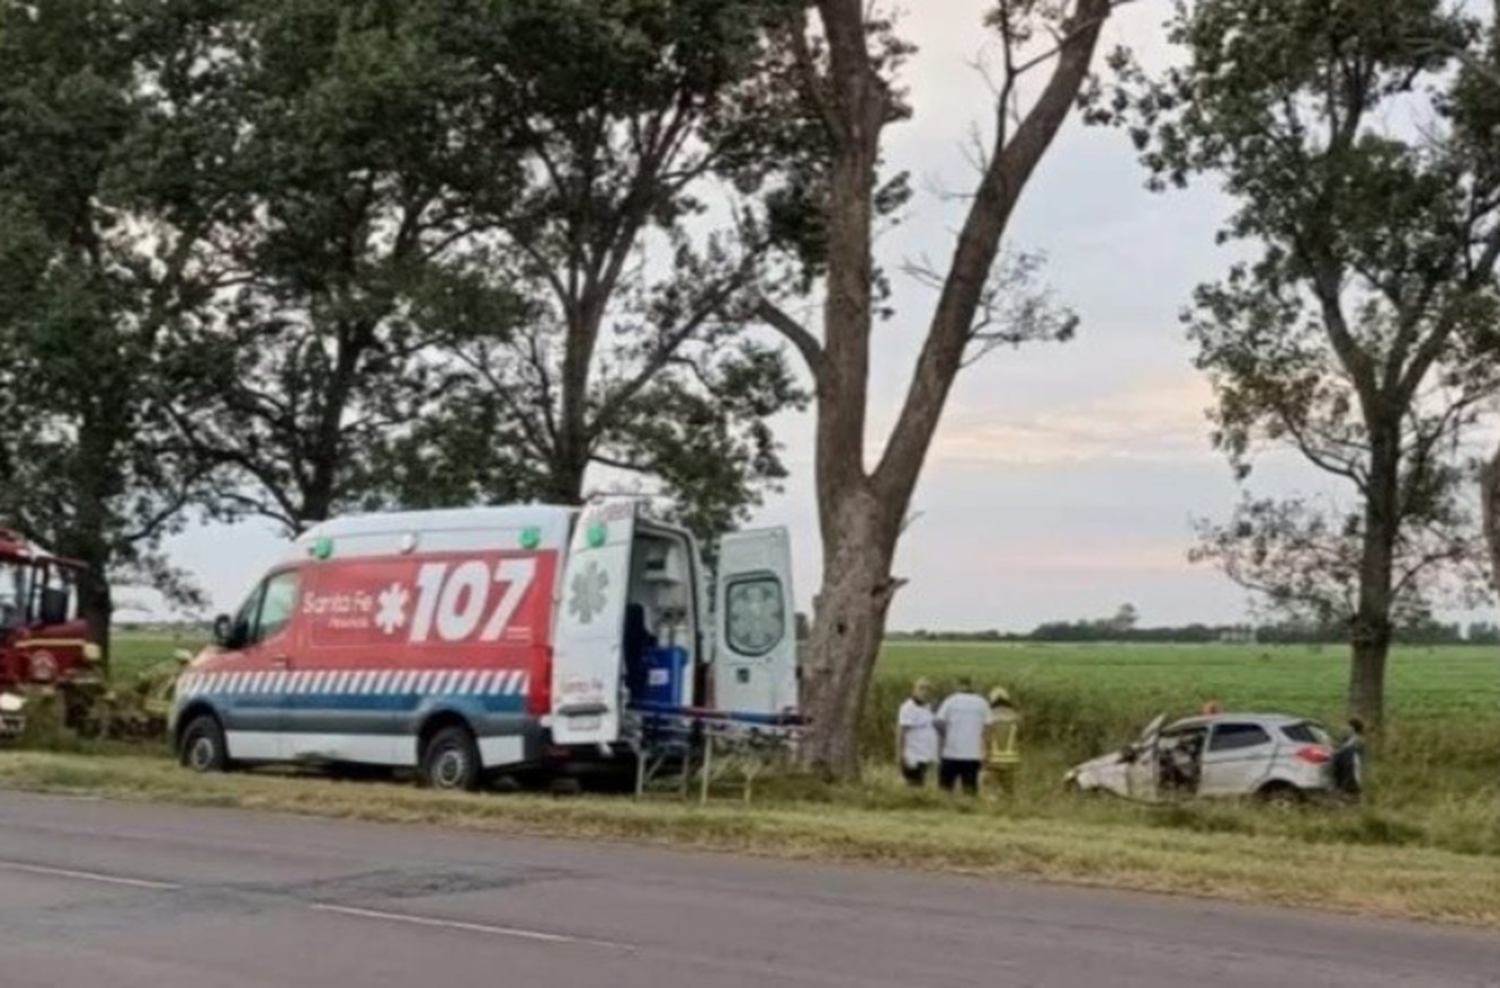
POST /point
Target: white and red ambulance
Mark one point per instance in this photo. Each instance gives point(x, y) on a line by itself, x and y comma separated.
point(470, 641)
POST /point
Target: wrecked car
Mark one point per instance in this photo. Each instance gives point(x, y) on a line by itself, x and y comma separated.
point(1275, 757)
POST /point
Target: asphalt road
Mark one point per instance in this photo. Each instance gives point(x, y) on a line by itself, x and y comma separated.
point(106, 895)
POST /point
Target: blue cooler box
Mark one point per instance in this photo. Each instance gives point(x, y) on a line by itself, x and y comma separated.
point(665, 669)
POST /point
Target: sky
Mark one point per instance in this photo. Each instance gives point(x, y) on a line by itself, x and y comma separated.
point(1066, 477)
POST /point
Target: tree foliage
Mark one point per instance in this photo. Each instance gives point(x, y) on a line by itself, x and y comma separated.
point(633, 356)
point(466, 259)
point(357, 142)
point(89, 295)
point(1363, 334)
point(291, 258)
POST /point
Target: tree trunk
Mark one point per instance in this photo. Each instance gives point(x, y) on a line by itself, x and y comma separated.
point(1371, 630)
point(565, 475)
point(1491, 493)
point(96, 606)
point(87, 536)
point(860, 514)
point(857, 548)
point(847, 633)
point(317, 499)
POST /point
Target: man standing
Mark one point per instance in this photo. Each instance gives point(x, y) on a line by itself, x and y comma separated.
point(964, 720)
point(1004, 753)
point(916, 735)
point(1349, 762)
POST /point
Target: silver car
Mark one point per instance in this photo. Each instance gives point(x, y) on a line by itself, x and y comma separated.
point(1272, 756)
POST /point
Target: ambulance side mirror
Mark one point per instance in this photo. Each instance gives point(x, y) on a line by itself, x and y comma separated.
point(223, 630)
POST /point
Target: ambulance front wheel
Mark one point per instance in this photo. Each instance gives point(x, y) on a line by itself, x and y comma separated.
point(203, 747)
point(451, 761)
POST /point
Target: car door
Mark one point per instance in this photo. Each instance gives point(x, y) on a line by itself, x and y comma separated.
point(1235, 759)
point(1143, 773)
point(755, 624)
point(255, 680)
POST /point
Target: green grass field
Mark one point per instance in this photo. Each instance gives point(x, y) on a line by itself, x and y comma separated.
point(1081, 696)
point(1140, 680)
point(1442, 743)
point(1423, 683)
point(132, 652)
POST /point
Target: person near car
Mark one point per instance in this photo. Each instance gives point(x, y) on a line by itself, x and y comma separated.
point(1349, 761)
point(916, 734)
point(963, 721)
point(1003, 756)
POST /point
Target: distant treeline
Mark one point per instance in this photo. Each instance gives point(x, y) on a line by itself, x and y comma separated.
point(1289, 633)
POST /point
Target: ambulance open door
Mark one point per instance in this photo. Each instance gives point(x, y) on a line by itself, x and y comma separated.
point(589, 645)
point(755, 624)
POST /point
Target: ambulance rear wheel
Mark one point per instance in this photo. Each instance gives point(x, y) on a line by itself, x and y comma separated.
point(203, 747)
point(451, 761)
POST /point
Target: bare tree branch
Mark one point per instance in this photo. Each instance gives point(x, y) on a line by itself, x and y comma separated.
point(794, 332)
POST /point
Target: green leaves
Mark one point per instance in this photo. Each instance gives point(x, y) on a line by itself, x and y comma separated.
point(89, 294)
point(1355, 338)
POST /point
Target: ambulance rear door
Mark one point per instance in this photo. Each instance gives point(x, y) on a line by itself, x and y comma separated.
point(588, 646)
point(755, 624)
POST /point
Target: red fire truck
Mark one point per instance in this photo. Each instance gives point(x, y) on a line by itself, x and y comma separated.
point(43, 643)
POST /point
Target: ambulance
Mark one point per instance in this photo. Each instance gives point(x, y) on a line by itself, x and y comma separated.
point(472, 642)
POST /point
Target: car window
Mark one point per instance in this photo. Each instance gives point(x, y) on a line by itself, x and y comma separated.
point(1235, 737)
point(1305, 734)
point(277, 606)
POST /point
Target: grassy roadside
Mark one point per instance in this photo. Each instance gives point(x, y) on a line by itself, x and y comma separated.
point(1135, 850)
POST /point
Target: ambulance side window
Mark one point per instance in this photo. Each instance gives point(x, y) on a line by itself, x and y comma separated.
point(278, 603)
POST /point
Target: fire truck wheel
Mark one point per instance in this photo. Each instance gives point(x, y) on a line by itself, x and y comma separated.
point(451, 761)
point(203, 748)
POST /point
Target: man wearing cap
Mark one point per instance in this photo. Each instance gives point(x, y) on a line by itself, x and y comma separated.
point(916, 735)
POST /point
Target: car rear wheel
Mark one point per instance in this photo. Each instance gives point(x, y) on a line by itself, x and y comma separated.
point(451, 761)
point(1281, 796)
point(203, 748)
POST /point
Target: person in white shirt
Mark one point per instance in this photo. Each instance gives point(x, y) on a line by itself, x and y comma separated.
point(964, 721)
point(916, 735)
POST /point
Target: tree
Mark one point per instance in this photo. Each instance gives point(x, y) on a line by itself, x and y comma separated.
point(97, 265)
point(846, 99)
point(1483, 633)
point(1479, 109)
point(1490, 494)
point(1125, 620)
point(351, 256)
point(442, 296)
point(1362, 337)
point(632, 357)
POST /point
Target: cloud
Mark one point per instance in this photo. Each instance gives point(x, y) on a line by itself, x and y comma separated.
point(1158, 419)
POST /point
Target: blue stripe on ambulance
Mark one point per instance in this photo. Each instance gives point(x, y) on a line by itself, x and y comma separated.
point(495, 691)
